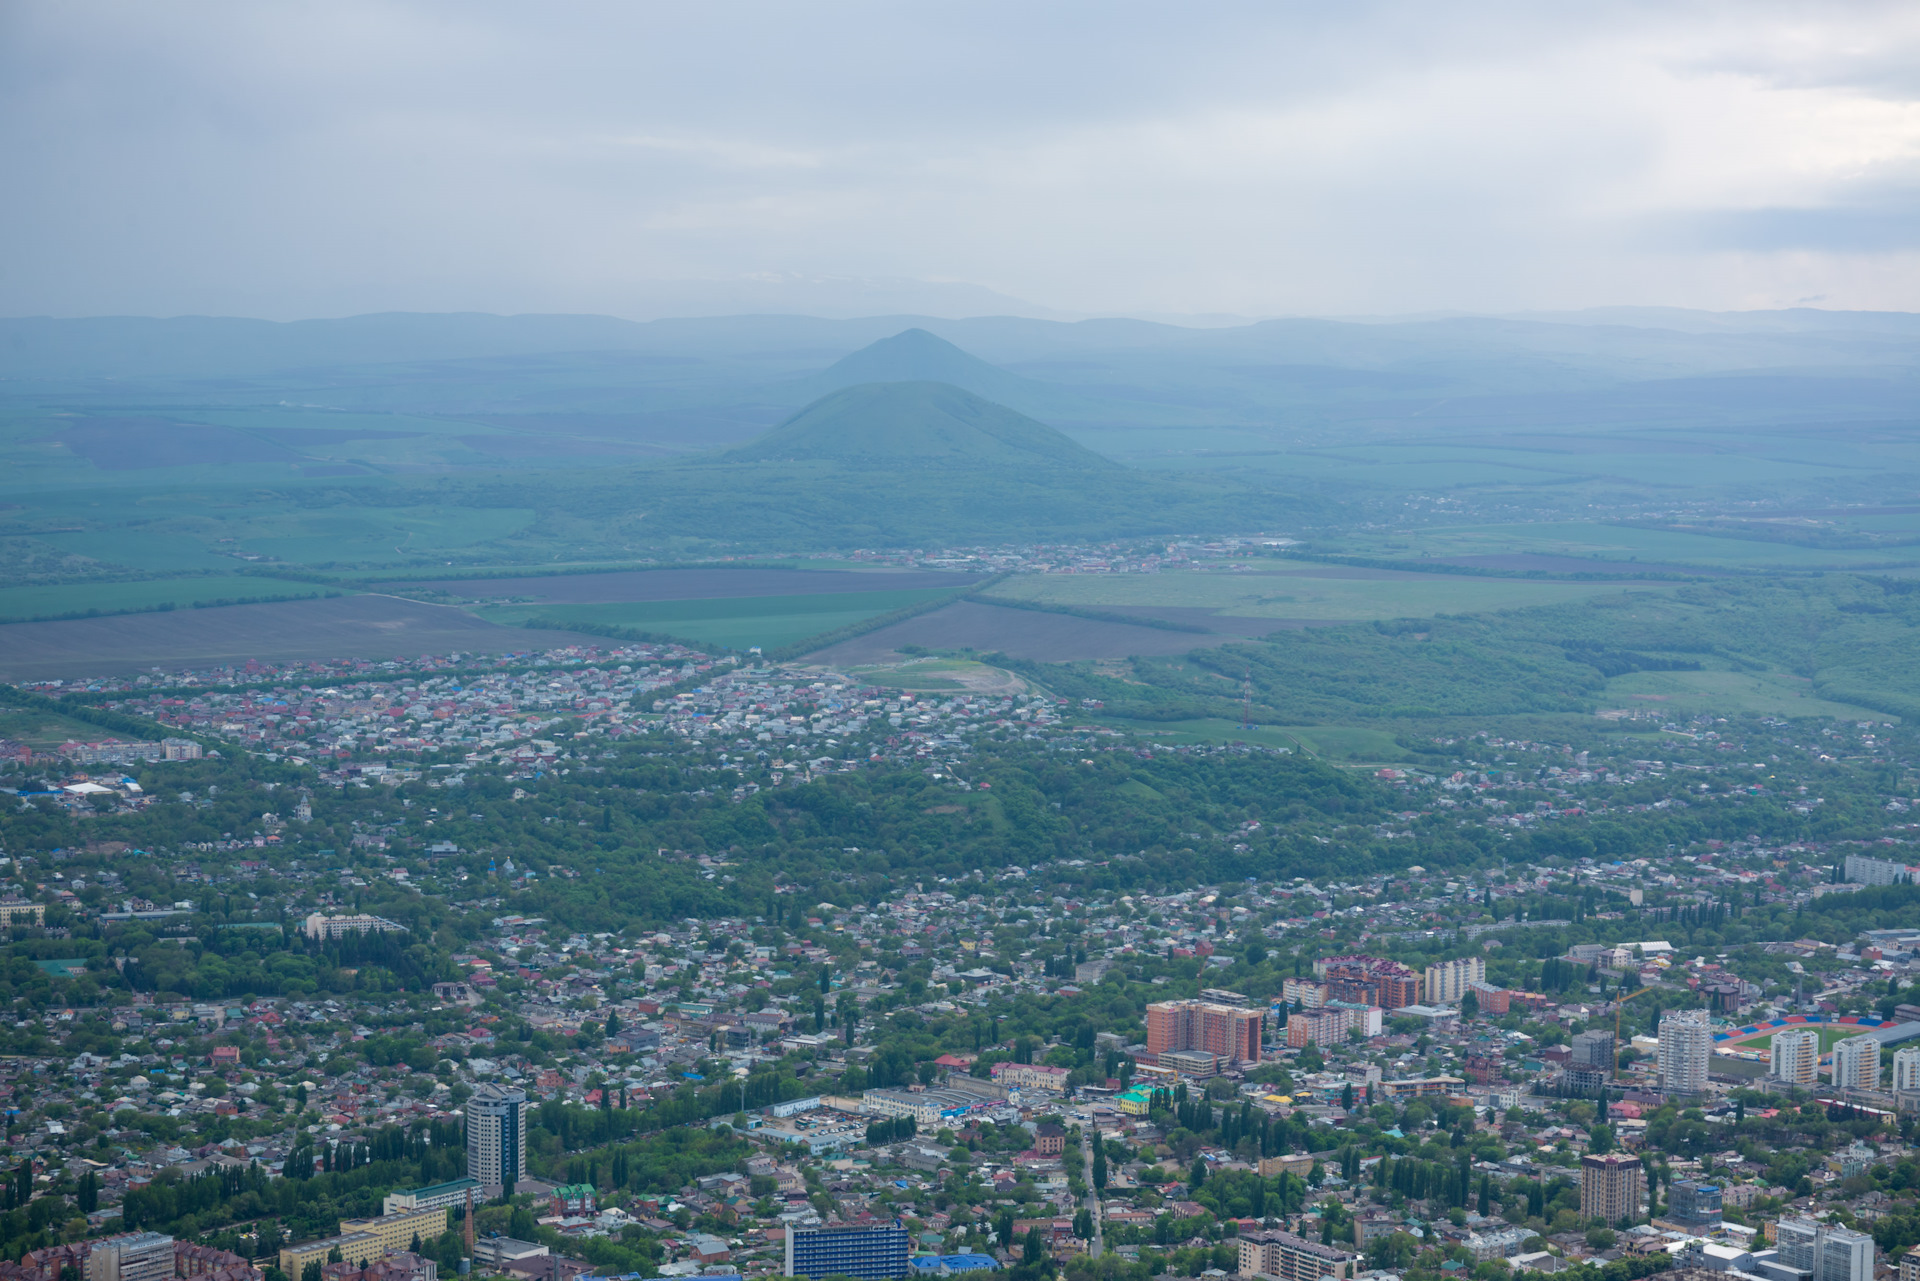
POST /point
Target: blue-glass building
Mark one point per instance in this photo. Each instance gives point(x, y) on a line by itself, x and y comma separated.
point(876, 1253)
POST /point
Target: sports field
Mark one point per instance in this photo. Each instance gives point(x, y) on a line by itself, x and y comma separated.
point(1829, 1037)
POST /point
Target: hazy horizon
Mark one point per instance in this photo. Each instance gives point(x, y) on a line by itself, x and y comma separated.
point(647, 161)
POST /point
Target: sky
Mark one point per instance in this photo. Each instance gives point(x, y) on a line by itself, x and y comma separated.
point(642, 159)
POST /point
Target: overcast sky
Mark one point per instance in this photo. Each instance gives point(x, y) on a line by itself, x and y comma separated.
point(290, 160)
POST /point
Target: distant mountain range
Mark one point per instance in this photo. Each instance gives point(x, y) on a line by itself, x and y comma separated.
point(594, 386)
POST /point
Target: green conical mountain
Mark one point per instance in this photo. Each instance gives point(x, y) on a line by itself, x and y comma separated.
point(916, 356)
point(901, 424)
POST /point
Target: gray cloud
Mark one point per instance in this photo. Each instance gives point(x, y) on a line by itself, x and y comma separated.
point(643, 158)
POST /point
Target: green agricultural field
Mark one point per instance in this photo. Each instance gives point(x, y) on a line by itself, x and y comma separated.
point(1728, 694)
point(739, 623)
point(44, 731)
point(362, 534)
point(343, 426)
point(142, 549)
point(18, 604)
point(1295, 590)
point(1616, 543)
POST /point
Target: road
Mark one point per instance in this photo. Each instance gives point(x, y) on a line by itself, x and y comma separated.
point(1094, 1246)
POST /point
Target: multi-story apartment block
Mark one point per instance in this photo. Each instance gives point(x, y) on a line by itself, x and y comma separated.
point(1827, 1252)
point(1856, 1064)
point(15, 911)
point(1794, 1056)
point(497, 1137)
point(875, 1253)
point(1369, 980)
point(1863, 869)
point(319, 926)
point(1447, 982)
point(1610, 1187)
point(1232, 1032)
point(441, 1196)
point(1698, 1205)
point(1906, 1071)
point(132, 1256)
point(1686, 1048)
point(1592, 1061)
point(1304, 993)
point(1292, 1258)
point(1324, 1026)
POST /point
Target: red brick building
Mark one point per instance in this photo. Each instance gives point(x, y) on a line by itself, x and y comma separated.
point(1369, 980)
point(1229, 1031)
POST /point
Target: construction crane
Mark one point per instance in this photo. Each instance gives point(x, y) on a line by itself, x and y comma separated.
point(1616, 1027)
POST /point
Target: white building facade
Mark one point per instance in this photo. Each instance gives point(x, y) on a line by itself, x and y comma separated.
point(1686, 1048)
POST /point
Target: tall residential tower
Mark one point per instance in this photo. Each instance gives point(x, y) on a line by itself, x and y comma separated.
point(497, 1137)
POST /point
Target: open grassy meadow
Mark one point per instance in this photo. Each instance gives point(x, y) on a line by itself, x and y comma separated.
point(1728, 694)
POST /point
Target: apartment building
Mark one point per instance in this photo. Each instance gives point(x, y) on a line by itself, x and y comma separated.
point(1231, 1032)
point(1686, 1048)
point(873, 1253)
point(1856, 1064)
point(131, 1256)
point(1610, 1187)
point(1304, 993)
point(496, 1137)
point(1447, 983)
point(1291, 1258)
point(1794, 1056)
point(1827, 1252)
point(319, 926)
point(1369, 980)
point(1906, 1070)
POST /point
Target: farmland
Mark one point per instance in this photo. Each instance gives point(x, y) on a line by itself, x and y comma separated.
point(1020, 633)
point(1624, 547)
point(693, 583)
point(1292, 591)
point(366, 625)
point(69, 599)
point(737, 622)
